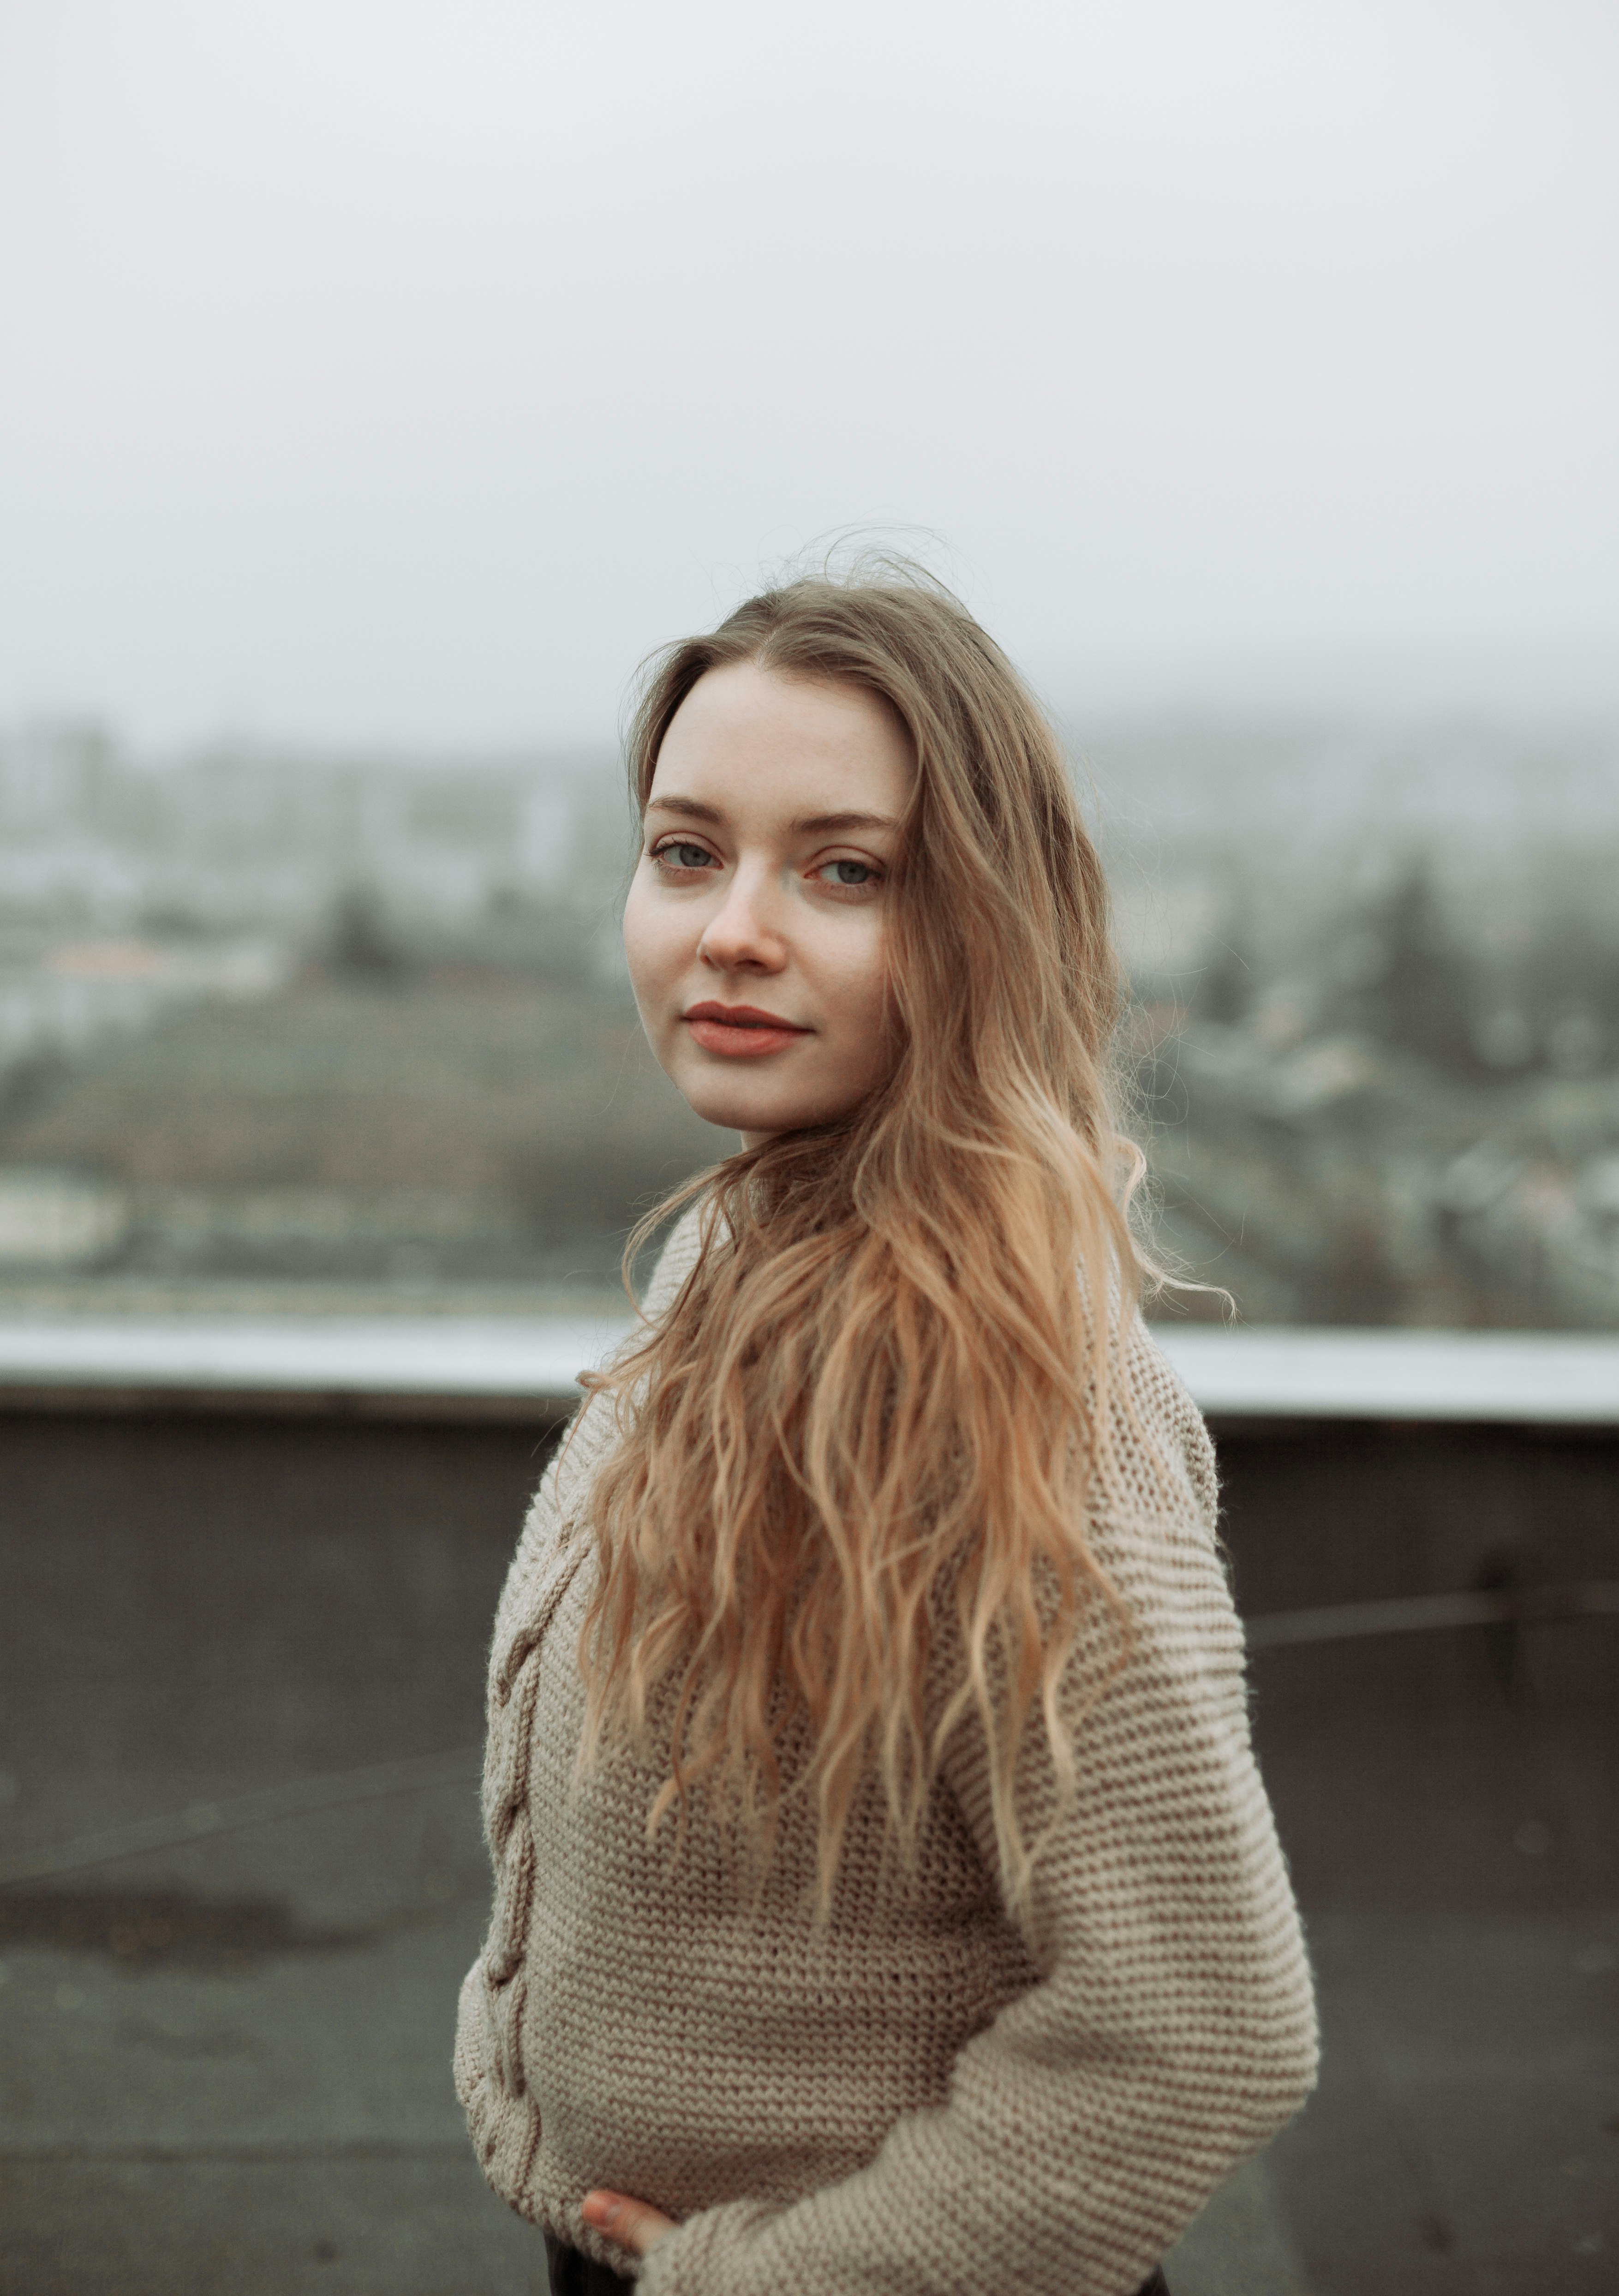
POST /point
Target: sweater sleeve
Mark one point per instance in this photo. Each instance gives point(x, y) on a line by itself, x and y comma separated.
point(1171, 2030)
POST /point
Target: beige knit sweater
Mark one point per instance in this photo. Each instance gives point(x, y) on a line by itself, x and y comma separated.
point(925, 2100)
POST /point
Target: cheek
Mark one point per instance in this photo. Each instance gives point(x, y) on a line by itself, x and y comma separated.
point(651, 946)
point(858, 978)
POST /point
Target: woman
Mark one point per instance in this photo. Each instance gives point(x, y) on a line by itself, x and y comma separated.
point(883, 1559)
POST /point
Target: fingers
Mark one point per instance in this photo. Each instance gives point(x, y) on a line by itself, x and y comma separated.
point(635, 2225)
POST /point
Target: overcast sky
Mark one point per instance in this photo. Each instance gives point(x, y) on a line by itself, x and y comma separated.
point(380, 370)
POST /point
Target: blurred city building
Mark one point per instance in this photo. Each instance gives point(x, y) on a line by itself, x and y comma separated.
point(277, 1018)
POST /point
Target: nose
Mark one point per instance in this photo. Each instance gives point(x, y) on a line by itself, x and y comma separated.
point(743, 935)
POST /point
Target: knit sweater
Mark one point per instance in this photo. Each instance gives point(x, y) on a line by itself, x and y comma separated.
point(927, 2098)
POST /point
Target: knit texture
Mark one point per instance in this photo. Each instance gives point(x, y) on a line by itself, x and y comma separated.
point(926, 2099)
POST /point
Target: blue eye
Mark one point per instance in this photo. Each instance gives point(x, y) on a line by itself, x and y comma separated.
point(683, 857)
point(851, 873)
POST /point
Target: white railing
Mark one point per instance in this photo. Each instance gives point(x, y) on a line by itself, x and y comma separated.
point(1550, 1378)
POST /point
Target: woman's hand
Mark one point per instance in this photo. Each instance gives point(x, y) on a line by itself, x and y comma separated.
point(635, 2225)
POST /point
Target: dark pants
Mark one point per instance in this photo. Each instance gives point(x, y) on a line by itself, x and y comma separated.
point(573, 2274)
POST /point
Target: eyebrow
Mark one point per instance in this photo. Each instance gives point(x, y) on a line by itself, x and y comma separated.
point(819, 824)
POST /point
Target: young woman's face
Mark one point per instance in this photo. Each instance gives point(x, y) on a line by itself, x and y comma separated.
point(754, 925)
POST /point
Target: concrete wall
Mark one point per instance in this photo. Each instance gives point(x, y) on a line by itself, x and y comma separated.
point(224, 2065)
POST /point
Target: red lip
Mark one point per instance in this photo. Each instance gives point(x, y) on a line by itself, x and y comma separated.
point(739, 1033)
point(742, 1016)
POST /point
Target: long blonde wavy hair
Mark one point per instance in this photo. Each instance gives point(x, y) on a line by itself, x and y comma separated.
point(888, 1373)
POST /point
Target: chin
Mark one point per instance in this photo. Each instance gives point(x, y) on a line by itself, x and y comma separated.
point(718, 1101)
point(731, 1115)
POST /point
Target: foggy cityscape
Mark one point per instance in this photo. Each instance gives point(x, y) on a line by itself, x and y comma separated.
point(281, 1017)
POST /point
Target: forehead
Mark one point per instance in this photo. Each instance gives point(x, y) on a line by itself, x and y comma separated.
point(750, 737)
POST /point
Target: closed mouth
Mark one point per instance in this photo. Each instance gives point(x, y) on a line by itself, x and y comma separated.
point(742, 1016)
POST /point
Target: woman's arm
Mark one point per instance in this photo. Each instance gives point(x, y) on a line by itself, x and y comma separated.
point(1172, 2032)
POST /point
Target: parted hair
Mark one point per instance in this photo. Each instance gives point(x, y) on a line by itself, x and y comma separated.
point(890, 1379)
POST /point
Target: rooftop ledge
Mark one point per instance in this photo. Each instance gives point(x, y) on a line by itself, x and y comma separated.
point(525, 1367)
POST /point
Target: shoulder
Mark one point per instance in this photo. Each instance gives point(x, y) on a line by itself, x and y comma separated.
point(1152, 1527)
point(558, 1506)
point(1151, 1506)
point(1160, 1431)
point(682, 1249)
point(596, 1425)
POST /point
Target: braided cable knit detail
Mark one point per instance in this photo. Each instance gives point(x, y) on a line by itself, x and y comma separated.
point(490, 2075)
